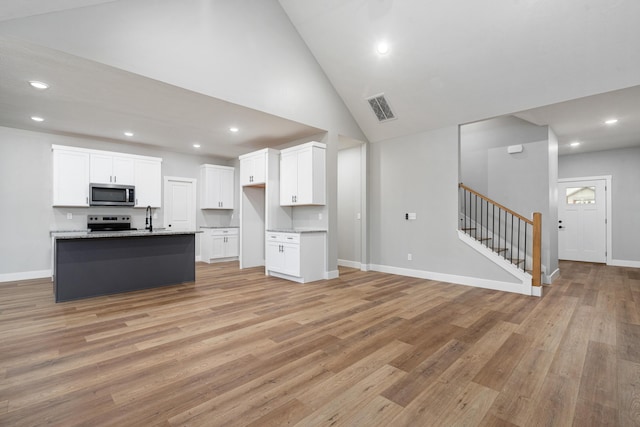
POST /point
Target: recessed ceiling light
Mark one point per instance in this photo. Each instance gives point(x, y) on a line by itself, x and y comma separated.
point(37, 119)
point(611, 121)
point(233, 129)
point(575, 144)
point(38, 85)
point(382, 48)
point(127, 133)
point(196, 145)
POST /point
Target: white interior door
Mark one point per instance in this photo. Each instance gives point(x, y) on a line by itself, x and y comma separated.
point(582, 213)
point(180, 203)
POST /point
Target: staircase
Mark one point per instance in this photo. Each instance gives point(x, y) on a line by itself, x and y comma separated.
point(510, 239)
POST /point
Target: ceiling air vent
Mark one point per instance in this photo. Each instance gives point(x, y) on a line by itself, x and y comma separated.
point(381, 108)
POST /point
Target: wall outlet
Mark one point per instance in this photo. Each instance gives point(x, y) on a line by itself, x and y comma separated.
point(320, 216)
point(358, 216)
point(409, 257)
point(155, 215)
point(69, 215)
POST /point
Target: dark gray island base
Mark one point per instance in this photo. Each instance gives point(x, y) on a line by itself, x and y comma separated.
point(87, 267)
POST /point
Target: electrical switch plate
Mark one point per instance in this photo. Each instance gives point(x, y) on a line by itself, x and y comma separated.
point(319, 216)
point(412, 215)
point(409, 257)
point(69, 215)
point(155, 215)
point(358, 216)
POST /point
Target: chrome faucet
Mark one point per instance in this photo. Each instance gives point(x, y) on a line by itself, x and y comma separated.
point(148, 221)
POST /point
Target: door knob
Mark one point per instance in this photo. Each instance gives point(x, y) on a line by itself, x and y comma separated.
point(560, 226)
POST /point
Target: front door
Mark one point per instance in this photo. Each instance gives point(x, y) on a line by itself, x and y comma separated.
point(180, 203)
point(582, 213)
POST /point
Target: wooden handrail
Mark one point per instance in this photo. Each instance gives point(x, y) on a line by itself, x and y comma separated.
point(493, 202)
point(536, 270)
point(536, 223)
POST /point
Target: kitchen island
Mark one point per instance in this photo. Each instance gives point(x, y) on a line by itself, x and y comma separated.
point(88, 264)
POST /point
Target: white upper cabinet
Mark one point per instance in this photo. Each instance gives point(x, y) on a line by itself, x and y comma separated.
point(148, 182)
point(111, 169)
point(216, 187)
point(74, 168)
point(253, 169)
point(70, 177)
point(302, 175)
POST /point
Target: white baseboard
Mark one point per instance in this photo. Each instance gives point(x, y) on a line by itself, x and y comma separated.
point(332, 274)
point(25, 275)
point(549, 278)
point(459, 280)
point(347, 263)
point(198, 258)
point(624, 263)
point(365, 267)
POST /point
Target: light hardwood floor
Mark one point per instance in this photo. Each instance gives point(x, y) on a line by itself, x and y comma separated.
point(237, 348)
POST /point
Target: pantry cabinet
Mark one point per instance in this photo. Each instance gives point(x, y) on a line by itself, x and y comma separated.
point(216, 187)
point(302, 175)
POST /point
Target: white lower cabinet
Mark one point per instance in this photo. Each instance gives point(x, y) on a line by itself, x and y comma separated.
point(219, 244)
point(296, 256)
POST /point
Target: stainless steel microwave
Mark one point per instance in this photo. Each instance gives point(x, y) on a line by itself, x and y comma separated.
point(111, 195)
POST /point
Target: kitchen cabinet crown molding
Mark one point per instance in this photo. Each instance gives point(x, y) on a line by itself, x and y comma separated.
point(104, 152)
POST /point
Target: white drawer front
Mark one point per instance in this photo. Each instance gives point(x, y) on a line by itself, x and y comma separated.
point(224, 232)
point(283, 237)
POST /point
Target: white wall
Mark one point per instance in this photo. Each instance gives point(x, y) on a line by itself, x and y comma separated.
point(26, 214)
point(418, 173)
point(477, 138)
point(624, 167)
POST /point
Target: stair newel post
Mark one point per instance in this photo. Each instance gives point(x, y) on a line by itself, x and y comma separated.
point(537, 249)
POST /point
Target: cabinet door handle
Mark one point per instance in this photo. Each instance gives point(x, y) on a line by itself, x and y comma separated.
point(115, 178)
point(87, 200)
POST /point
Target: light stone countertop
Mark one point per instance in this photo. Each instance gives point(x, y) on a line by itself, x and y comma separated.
point(84, 234)
point(296, 230)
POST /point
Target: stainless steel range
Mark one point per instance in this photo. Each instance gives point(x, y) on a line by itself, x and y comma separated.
point(109, 223)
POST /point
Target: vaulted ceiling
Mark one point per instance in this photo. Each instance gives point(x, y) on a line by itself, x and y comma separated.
point(569, 64)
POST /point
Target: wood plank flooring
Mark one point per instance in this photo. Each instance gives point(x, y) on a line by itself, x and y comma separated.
point(237, 348)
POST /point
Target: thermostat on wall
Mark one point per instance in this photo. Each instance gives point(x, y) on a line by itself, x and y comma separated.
point(512, 149)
